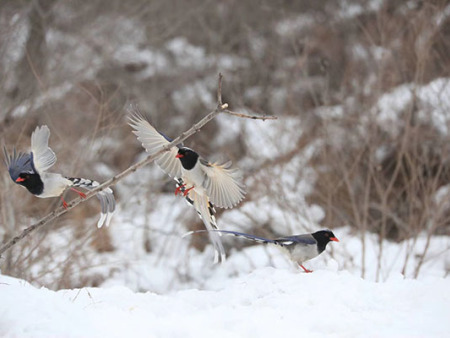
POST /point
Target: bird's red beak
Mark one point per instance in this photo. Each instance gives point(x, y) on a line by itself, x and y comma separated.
point(179, 156)
point(334, 239)
point(20, 179)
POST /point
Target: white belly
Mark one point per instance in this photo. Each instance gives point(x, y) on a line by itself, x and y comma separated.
point(194, 178)
point(54, 185)
point(301, 253)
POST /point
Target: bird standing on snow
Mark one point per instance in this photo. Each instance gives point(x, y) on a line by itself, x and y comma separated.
point(30, 171)
point(299, 248)
point(204, 184)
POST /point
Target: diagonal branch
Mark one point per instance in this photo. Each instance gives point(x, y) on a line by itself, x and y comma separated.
point(221, 108)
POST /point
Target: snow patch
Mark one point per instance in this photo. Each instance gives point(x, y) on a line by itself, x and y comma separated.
point(433, 102)
point(264, 303)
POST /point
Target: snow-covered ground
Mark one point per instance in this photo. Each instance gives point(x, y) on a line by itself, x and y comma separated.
point(255, 293)
point(267, 302)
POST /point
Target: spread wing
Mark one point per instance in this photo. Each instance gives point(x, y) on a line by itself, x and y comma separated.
point(42, 156)
point(18, 163)
point(153, 141)
point(223, 185)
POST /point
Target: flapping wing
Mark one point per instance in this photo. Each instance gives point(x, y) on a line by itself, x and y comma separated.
point(42, 156)
point(17, 163)
point(223, 185)
point(153, 141)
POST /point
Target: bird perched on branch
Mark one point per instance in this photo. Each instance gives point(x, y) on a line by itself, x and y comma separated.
point(204, 184)
point(30, 171)
point(299, 248)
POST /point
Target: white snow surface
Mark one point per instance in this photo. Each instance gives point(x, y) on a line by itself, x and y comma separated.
point(267, 302)
point(433, 101)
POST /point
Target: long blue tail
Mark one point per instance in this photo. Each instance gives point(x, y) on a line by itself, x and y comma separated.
point(238, 234)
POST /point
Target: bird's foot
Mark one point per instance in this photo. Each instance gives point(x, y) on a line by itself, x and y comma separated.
point(179, 189)
point(187, 191)
point(305, 269)
point(64, 203)
point(82, 194)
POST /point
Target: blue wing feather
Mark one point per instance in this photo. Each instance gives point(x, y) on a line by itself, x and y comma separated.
point(179, 145)
point(305, 239)
point(18, 163)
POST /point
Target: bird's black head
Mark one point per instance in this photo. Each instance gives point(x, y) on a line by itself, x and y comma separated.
point(188, 157)
point(323, 237)
point(32, 182)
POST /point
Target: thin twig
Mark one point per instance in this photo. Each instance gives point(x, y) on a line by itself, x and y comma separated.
point(219, 90)
point(253, 117)
point(221, 108)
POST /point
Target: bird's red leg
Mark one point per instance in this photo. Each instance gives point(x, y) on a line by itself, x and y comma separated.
point(305, 269)
point(64, 203)
point(187, 191)
point(82, 194)
point(177, 190)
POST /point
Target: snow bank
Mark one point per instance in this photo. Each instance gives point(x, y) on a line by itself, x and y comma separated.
point(267, 302)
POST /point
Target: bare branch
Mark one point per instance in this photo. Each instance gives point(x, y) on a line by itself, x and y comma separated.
point(221, 108)
point(253, 117)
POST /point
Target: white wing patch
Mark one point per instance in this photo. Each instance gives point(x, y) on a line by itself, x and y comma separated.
point(223, 184)
point(43, 156)
point(153, 142)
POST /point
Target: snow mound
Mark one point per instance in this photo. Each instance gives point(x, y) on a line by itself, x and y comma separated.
point(265, 303)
